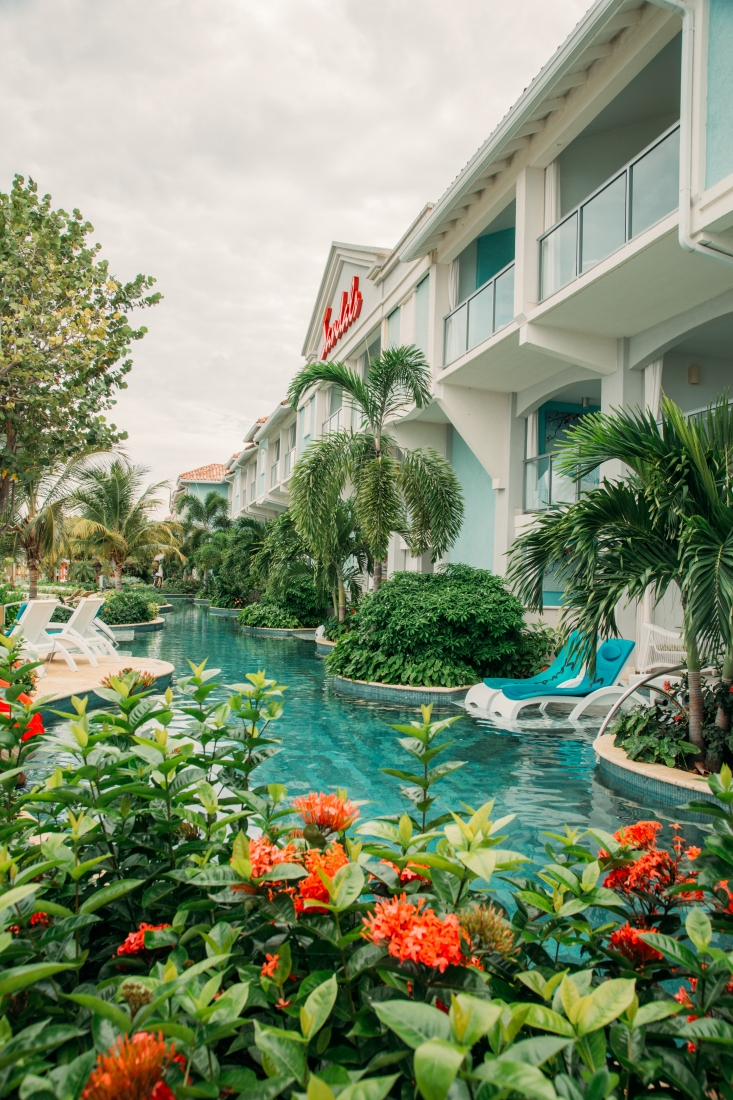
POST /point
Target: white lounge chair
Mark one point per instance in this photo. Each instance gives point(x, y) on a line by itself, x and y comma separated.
point(81, 634)
point(36, 643)
point(660, 648)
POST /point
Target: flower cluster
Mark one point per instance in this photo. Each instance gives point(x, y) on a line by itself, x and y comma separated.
point(135, 941)
point(409, 872)
point(34, 726)
point(263, 855)
point(312, 888)
point(37, 919)
point(650, 876)
point(416, 934)
point(486, 930)
point(133, 1069)
point(331, 813)
point(627, 942)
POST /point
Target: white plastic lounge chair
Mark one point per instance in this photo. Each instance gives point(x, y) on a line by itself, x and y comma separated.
point(80, 633)
point(660, 648)
point(32, 623)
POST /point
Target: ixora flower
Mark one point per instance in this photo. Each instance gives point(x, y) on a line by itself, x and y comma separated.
point(409, 872)
point(642, 835)
point(331, 813)
point(413, 933)
point(133, 1070)
point(135, 941)
point(34, 727)
point(312, 887)
point(627, 941)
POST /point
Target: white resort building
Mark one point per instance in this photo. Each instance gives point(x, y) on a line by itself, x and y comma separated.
point(582, 259)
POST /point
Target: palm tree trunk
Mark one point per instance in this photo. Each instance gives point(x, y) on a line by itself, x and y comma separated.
point(342, 599)
point(695, 689)
point(118, 576)
point(32, 579)
point(377, 575)
point(722, 718)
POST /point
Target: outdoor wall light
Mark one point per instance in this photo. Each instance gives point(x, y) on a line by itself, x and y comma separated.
point(693, 375)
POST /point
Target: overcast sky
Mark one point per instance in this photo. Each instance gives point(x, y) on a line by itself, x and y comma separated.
point(221, 145)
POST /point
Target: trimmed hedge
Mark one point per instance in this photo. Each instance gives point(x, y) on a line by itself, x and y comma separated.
point(268, 616)
point(128, 606)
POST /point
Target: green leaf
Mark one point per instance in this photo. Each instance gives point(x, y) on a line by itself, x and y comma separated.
point(415, 1023)
point(472, 1017)
point(656, 1010)
point(317, 1008)
point(673, 950)
point(372, 1088)
point(604, 1004)
point(436, 1064)
point(269, 1089)
point(482, 862)
point(548, 1020)
point(109, 893)
point(285, 1048)
point(527, 1080)
point(699, 928)
point(712, 1031)
point(348, 883)
point(536, 1051)
point(364, 958)
point(12, 897)
point(104, 1009)
point(21, 976)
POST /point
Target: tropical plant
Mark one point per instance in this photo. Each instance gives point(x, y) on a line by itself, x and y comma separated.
point(268, 615)
point(443, 629)
point(234, 580)
point(201, 517)
point(169, 929)
point(414, 492)
point(114, 521)
point(128, 606)
point(64, 340)
point(665, 524)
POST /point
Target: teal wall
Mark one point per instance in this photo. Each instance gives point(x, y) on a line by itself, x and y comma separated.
point(201, 488)
point(719, 157)
point(475, 544)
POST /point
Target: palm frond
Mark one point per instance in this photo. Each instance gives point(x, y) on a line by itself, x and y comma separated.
point(434, 502)
point(336, 374)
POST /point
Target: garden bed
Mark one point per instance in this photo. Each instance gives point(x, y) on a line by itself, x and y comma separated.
point(154, 624)
point(227, 612)
point(650, 782)
point(405, 695)
point(305, 633)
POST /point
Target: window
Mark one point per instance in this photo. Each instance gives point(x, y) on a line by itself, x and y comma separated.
point(276, 456)
point(335, 399)
point(292, 431)
point(393, 328)
point(422, 314)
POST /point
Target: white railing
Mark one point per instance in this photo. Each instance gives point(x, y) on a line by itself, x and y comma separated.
point(273, 473)
point(335, 422)
point(544, 487)
point(288, 463)
point(641, 194)
point(490, 308)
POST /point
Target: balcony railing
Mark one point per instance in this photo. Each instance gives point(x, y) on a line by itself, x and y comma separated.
point(335, 422)
point(637, 197)
point(288, 463)
point(273, 473)
point(544, 487)
point(490, 308)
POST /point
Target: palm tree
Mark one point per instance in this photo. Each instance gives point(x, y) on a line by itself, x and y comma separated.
point(668, 522)
point(201, 517)
point(114, 521)
point(414, 492)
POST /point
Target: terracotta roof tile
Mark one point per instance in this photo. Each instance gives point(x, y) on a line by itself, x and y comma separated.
point(215, 471)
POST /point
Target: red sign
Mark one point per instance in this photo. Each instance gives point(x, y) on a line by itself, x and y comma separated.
point(350, 310)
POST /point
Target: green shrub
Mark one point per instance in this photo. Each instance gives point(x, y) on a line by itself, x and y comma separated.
point(62, 614)
point(300, 599)
point(440, 629)
point(267, 615)
point(127, 606)
point(169, 928)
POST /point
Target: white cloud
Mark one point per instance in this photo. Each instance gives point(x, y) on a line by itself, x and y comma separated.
point(221, 145)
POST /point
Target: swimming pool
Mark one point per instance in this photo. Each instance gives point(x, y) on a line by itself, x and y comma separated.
point(546, 776)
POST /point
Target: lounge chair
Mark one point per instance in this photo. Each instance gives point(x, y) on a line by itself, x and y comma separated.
point(80, 634)
point(31, 625)
point(580, 689)
point(564, 667)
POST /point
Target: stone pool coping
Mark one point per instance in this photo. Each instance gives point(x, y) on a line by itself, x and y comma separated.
point(655, 782)
point(304, 633)
point(372, 691)
point(229, 612)
point(323, 647)
point(154, 624)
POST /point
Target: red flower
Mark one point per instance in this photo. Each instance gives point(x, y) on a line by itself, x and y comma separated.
point(411, 932)
point(40, 918)
point(642, 835)
point(135, 942)
point(627, 942)
point(34, 727)
point(409, 872)
point(270, 966)
point(693, 852)
point(132, 1070)
point(263, 856)
point(313, 888)
point(330, 812)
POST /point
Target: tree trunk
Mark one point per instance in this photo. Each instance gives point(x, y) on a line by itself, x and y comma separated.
point(118, 576)
point(342, 599)
point(695, 687)
point(377, 575)
point(722, 718)
point(32, 579)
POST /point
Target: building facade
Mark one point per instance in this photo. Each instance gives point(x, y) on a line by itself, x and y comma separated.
point(582, 260)
point(197, 483)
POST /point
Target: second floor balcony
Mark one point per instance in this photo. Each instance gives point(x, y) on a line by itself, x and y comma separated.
point(641, 194)
point(488, 309)
point(545, 487)
point(288, 463)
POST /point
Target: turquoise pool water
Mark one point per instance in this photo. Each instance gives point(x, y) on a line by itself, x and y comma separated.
point(546, 776)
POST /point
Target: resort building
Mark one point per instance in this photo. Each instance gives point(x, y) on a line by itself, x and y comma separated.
point(581, 260)
point(199, 482)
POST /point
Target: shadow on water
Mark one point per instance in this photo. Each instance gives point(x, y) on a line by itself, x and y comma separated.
point(545, 773)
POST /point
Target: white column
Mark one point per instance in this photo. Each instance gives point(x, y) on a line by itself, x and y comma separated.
point(653, 386)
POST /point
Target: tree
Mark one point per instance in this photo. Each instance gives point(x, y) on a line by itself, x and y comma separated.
point(64, 339)
point(201, 517)
point(414, 492)
point(114, 521)
point(667, 522)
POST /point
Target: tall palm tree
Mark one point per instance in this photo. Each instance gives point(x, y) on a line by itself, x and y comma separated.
point(667, 522)
point(113, 517)
point(201, 517)
point(414, 492)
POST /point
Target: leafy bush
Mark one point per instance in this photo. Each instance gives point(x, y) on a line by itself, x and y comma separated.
point(437, 629)
point(299, 598)
point(181, 587)
point(128, 606)
point(169, 929)
point(62, 614)
point(267, 615)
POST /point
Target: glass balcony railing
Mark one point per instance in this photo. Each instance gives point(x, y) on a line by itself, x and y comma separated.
point(273, 473)
point(335, 422)
point(637, 197)
point(288, 463)
point(544, 487)
point(490, 308)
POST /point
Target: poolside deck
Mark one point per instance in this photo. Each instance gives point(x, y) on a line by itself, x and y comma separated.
point(61, 683)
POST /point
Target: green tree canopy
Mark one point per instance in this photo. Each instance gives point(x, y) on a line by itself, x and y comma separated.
point(64, 338)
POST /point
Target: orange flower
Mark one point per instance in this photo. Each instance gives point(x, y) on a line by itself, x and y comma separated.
point(312, 888)
point(409, 872)
point(270, 966)
point(627, 942)
point(40, 918)
point(264, 855)
point(135, 942)
point(133, 1069)
point(330, 812)
point(34, 726)
point(642, 835)
point(693, 852)
point(414, 933)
